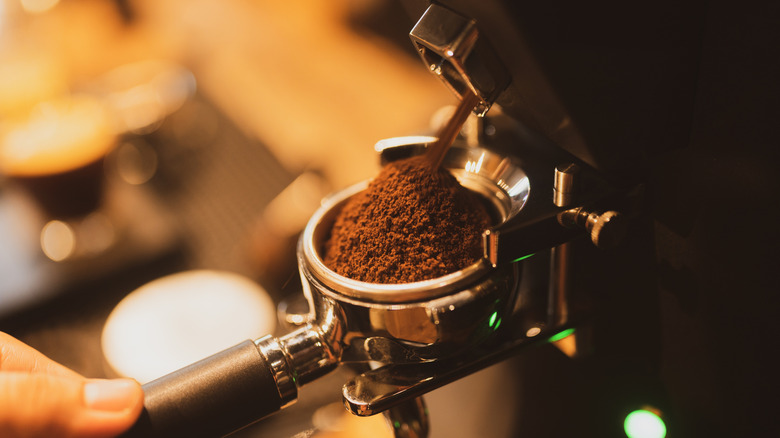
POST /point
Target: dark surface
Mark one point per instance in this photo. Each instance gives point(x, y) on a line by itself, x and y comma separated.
point(683, 97)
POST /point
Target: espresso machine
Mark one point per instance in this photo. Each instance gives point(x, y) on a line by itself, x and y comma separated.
point(580, 107)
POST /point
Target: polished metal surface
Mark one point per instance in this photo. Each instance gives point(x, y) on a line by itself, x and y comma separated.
point(283, 375)
point(565, 185)
point(426, 319)
point(380, 389)
point(414, 323)
point(367, 324)
point(560, 283)
point(409, 419)
point(450, 46)
point(310, 355)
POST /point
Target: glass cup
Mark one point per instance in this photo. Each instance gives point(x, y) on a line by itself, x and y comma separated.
point(55, 154)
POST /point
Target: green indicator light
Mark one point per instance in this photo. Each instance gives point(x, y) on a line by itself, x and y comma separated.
point(561, 335)
point(493, 319)
point(644, 424)
point(522, 258)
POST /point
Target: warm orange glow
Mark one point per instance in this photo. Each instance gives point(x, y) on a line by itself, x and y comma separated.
point(58, 240)
point(26, 80)
point(533, 331)
point(58, 136)
point(567, 345)
point(332, 421)
point(38, 6)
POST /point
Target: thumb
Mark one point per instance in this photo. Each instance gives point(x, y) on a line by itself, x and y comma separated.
point(44, 405)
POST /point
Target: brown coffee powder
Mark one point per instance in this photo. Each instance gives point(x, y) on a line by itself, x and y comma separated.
point(412, 223)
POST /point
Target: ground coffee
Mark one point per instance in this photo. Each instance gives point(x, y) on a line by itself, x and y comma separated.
point(414, 222)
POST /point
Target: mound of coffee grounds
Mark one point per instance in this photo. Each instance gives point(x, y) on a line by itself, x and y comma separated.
point(413, 223)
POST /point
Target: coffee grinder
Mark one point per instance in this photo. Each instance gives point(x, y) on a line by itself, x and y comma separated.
point(569, 262)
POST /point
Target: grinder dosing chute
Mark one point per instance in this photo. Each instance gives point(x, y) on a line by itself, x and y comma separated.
point(368, 326)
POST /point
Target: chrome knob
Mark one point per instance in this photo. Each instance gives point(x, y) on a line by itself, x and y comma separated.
point(607, 229)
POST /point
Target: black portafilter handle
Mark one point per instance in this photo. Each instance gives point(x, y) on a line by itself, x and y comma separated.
point(210, 398)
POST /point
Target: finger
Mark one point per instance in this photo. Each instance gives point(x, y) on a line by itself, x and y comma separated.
point(44, 405)
point(18, 356)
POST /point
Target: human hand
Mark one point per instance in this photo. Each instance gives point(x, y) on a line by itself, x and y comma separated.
point(41, 398)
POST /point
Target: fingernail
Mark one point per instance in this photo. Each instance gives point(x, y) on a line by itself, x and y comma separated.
point(110, 395)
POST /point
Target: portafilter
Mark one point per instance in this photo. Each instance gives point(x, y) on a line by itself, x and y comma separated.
point(432, 326)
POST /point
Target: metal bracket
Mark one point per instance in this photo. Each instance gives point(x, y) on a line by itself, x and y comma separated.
point(377, 390)
point(450, 46)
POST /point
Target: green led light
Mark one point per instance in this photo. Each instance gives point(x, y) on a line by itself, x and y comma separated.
point(522, 258)
point(493, 319)
point(644, 424)
point(561, 335)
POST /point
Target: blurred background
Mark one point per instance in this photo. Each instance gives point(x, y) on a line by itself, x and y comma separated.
point(142, 139)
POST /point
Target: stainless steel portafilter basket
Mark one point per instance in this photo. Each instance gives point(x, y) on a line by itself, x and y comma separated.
point(368, 326)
